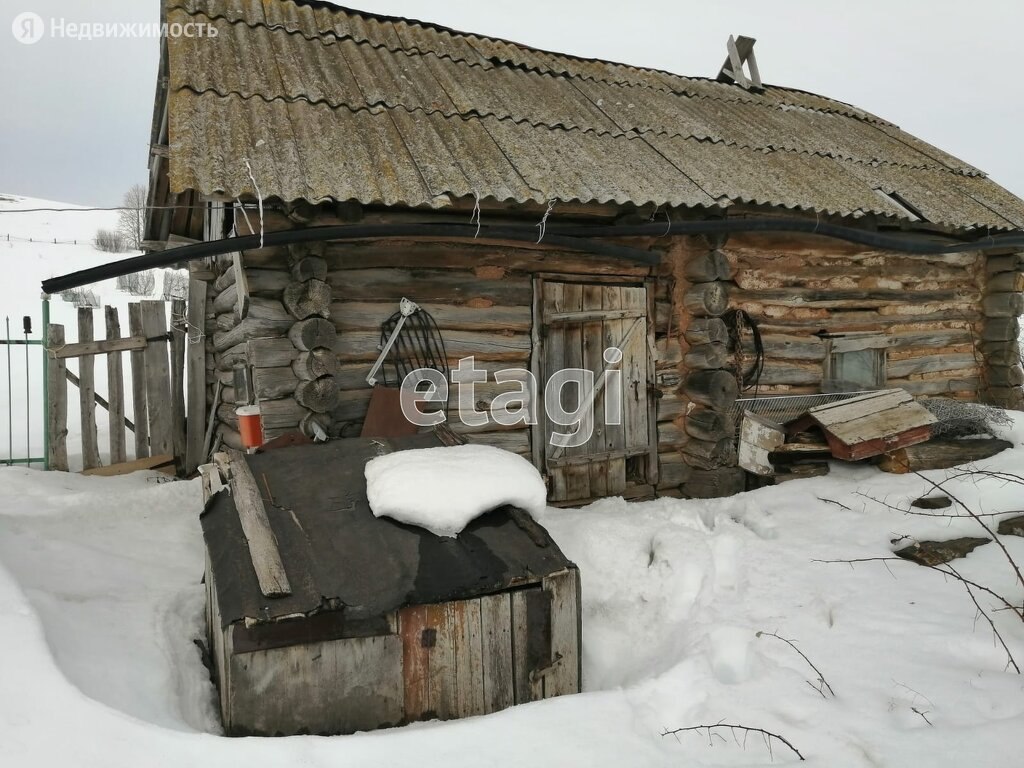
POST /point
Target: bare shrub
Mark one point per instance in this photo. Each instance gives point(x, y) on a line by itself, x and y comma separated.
point(137, 283)
point(110, 241)
point(175, 284)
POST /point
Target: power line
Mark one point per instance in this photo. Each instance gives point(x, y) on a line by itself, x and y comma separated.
point(115, 208)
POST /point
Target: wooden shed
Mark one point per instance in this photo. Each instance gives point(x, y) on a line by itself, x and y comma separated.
point(325, 619)
point(539, 205)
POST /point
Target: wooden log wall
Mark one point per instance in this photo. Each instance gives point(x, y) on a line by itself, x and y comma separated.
point(703, 432)
point(1002, 307)
point(928, 308)
point(305, 300)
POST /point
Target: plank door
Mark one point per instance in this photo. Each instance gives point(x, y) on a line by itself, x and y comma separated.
point(578, 322)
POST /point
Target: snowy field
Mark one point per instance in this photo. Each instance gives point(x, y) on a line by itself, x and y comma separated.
point(101, 602)
point(30, 255)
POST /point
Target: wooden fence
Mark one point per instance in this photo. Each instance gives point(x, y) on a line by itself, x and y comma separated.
point(156, 356)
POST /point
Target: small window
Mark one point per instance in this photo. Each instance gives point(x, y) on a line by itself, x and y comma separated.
point(854, 363)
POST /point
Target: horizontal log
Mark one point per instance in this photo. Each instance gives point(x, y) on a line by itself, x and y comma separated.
point(307, 335)
point(425, 286)
point(266, 282)
point(941, 454)
point(838, 299)
point(790, 372)
point(706, 424)
point(1013, 262)
point(275, 414)
point(351, 405)
point(1001, 329)
point(250, 328)
point(707, 299)
point(225, 281)
point(707, 356)
point(270, 353)
point(319, 395)
point(459, 255)
point(1003, 305)
point(312, 365)
point(716, 389)
point(311, 298)
point(672, 470)
point(236, 355)
point(939, 386)
point(793, 347)
point(668, 352)
point(274, 383)
point(309, 268)
point(708, 330)
point(670, 405)
point(715, 483)
point(1005, 376)
point(369, 315)
point(363, 345)
point(708, 454)
point(794, 319)
point(1005, 397)
point(1006, 282)
point(1001, 352)
point(707, 267)
point(930, 363)
point(516, 441)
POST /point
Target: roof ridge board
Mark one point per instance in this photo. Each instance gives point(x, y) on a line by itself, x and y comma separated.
point(629, 134)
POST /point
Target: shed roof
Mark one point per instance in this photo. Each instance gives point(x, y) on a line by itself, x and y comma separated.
point(318, 102)
point(339, 557)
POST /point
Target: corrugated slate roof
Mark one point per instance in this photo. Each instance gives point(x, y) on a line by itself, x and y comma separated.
point(328, 103)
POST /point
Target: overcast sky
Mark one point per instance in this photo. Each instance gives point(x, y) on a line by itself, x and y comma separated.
point(75, 114)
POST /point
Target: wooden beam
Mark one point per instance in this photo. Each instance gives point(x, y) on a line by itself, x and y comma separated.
point(164, 462)
point(101, 347)
point(158, 379)
point(115, 388)
point(178, 378)
point(87, 393)
point(195, 426)
point(138, 365)
point(252, 514)
point(57, 408)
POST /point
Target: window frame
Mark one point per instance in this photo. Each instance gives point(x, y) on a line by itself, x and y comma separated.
point(854, 342)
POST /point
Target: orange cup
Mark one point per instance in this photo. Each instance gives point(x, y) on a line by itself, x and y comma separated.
point(250, 426)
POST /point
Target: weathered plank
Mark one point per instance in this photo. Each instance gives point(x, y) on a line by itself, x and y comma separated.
point(163, 463)
point(326, 687)
point(178, 378)
point(196, 414)
point(469, 662)
point(496, 639)
point(57, 408)
point(101, 346)
point(941, 454)
point(158, 378)
point(564, 674)
point(139, 393)
point(115, 391)
point(368, 316)
point(87, 393)
point(263, 550)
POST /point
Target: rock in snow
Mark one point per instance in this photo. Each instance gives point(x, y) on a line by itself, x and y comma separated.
point(443, 489)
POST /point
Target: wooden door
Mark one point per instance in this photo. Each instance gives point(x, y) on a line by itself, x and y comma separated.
point(578, 322)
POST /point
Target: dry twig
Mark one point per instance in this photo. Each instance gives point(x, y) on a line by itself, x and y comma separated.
point(766, 735)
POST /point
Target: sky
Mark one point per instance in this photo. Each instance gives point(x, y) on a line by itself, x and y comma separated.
point(75, 115)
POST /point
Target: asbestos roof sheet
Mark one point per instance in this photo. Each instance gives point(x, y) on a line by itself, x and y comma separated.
point(339, 557)
point(329, 103)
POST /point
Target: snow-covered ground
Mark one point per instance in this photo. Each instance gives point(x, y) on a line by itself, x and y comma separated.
point(30, 255)
point(100, 602)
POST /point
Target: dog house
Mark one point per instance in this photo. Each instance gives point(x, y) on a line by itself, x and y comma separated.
point(325, 619)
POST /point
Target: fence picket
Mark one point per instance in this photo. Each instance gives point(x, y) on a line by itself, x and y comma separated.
point(87, 393)
point(57, 413)
point(196, 424)
point(158, 378)
point(138, 363)
point(178, 378)
point(115, 391)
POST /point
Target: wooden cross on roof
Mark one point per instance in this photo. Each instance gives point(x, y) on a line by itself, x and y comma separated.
point(741, 51)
